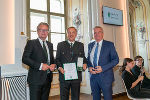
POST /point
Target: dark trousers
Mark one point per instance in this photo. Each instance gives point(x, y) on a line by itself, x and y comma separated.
point(65, 88)
point(146, 82)
point(142, 93)
point(98, 85)
point(40, 92)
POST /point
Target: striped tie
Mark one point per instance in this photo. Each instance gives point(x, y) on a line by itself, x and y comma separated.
point(45, 51)
point(95, 56)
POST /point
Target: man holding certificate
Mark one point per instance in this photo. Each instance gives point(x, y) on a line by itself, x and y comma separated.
point(70, 60)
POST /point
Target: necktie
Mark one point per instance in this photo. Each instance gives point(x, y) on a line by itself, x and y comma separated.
point(71, 44)
point(71, 51)
point(45, 51)
point(95, 56)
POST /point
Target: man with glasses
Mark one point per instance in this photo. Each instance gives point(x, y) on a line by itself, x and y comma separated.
point(138, 69)
point(38, 55)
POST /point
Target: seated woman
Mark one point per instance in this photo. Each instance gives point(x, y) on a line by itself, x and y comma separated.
point(131, 82)
point(139, 69)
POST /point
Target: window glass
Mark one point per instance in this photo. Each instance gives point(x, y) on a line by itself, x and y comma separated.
point(50, 11)
point(56, 38)
point(57, 6)
point(34, 35)
point(35, 20)
point(57, 24)
point(38, 4)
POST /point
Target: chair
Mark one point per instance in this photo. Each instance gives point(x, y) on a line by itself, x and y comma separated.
point(132, 97)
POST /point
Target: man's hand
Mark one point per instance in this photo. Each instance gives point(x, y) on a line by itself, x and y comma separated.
point(45, 67)
point(61, 70)
point(92, 70)
point(98, 69)
point(84, 66)
point(52, 67)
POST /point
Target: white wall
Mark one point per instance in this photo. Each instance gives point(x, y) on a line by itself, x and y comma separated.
point(7, 39)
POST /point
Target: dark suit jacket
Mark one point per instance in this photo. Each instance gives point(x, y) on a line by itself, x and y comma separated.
point(33, 56)
point(64, 55)
point(107, 60)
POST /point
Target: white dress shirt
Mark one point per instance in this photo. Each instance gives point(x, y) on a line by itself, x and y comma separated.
point(93, 50)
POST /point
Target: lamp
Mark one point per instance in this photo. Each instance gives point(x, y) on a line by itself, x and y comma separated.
point(7, 38)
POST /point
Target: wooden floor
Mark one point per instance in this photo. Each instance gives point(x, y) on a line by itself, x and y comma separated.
point(89, 97)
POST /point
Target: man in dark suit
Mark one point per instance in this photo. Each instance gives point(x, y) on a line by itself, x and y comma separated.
point(68, 52)
point(102, 57)
point(38, 55)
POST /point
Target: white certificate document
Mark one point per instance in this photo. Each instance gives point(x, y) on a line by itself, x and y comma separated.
point(80, 62)
point(70, 71)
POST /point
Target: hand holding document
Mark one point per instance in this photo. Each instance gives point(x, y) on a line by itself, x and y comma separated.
point(70, 71)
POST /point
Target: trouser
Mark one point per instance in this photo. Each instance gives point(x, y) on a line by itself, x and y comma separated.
point(40, 92)
point(65, 88)
point(98, 85)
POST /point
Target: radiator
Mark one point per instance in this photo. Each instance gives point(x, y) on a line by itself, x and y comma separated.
point(14, 88)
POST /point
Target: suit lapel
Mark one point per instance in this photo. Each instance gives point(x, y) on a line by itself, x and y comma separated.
point(75, 49)
point(49, 47)
point(40, 47)
point(75, 46)
point(91, 47)
point(102, 51)
point(67, 50)
point(90, 50)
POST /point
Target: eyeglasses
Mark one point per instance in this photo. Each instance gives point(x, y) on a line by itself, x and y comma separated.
point(140, 60)
point(42, 30)
point(98, 32)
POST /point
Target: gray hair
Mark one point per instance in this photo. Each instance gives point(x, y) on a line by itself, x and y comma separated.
point(98, 27)
point(42, 23)
point(71, 27)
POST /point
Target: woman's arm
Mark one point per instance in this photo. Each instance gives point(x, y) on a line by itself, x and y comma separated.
point(140, 78)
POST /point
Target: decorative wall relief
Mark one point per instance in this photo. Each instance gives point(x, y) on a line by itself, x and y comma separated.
point(136, 3)
point(76, 18)
point(141, 30)
point(77, 23)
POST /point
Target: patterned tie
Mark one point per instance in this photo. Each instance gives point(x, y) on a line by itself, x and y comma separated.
point(71, 49)
point(95, 56)
point(71, 44)
point(45, 51)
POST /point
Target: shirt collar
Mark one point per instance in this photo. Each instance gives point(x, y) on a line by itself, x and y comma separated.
point(71, 42)
point(100, 42)
point(41, 41)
